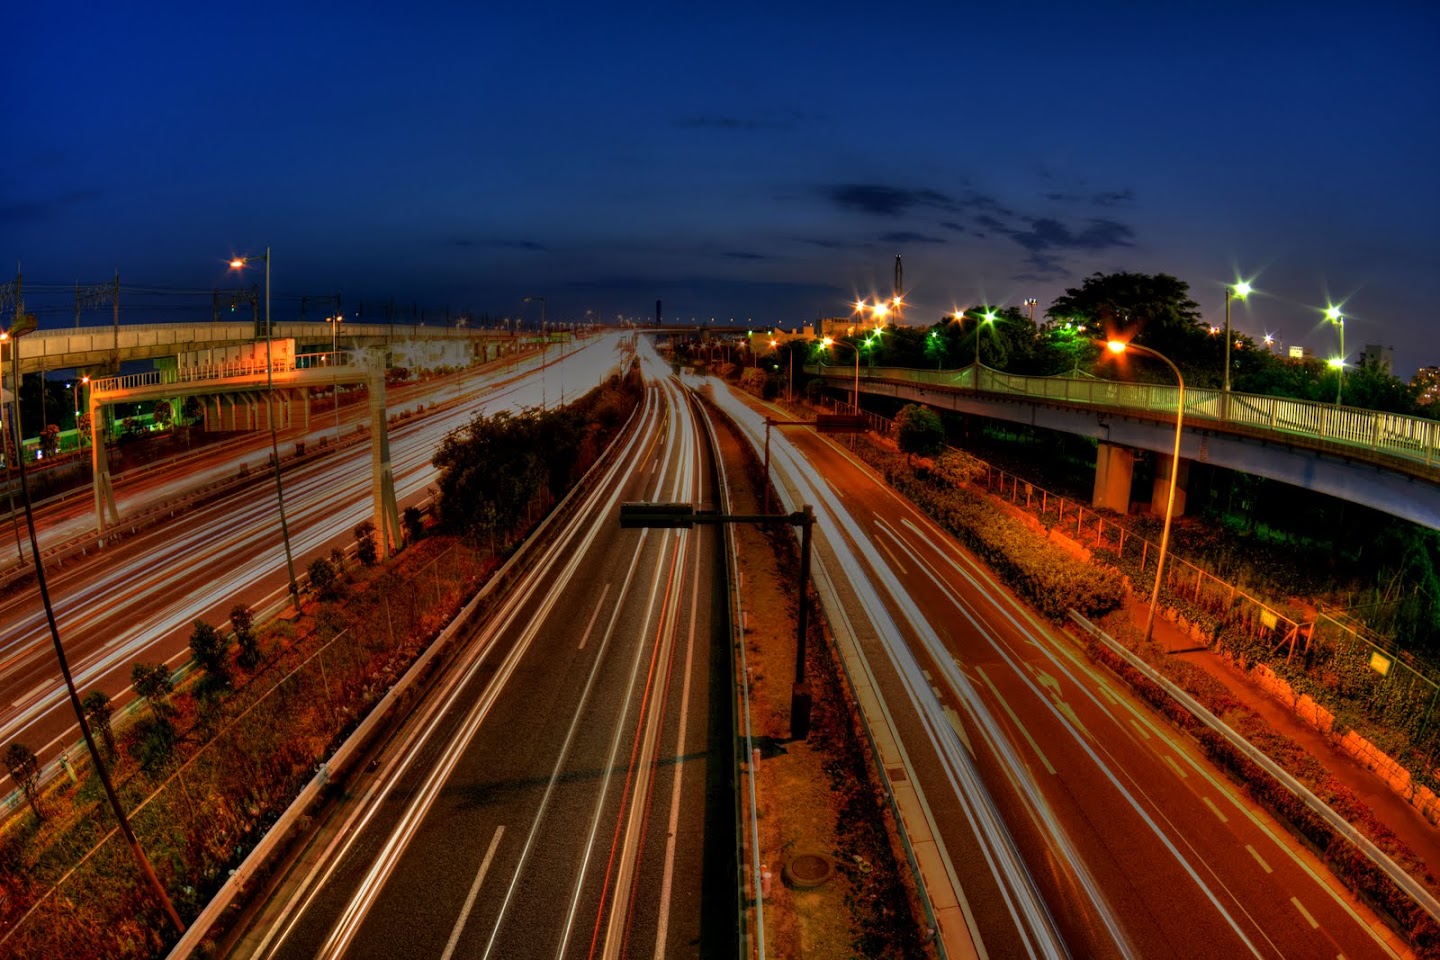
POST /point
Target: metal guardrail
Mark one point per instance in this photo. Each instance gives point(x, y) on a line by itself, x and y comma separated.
point(1320, 808)
point(1414, 439)
point(202, 373)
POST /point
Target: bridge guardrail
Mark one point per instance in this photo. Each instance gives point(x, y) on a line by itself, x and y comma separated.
point(1413, 439)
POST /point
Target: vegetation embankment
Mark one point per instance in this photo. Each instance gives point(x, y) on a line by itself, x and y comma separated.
point(822, 794)
point(937, 487)
point(214, 758)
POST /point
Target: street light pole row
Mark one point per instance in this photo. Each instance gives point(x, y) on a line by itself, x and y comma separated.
point(239, 263)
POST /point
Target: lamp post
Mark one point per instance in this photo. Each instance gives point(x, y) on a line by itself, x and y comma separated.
point(987, 317)
point(239, 263)
point(1030, 302)
point(75, 396)
point(335, 322)
point(830, 342)
point(1334, 315)
point(543, 344)
point(1118, 347)
point(1238, 291)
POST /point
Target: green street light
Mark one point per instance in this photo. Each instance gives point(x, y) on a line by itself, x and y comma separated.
point(1333, 314)
point(987, 317)
point(1239, 291)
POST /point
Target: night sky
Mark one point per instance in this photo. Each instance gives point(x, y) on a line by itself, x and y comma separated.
point(762, 162)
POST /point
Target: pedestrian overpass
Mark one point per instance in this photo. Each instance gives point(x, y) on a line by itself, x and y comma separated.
point(1383, 460)
point(247, 383)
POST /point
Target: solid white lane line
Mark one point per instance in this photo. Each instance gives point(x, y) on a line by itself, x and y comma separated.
point(1259, 859)
point(591, 625)
point(663, 927)
point(1314, 924)
point(474, 891)
point(894, 560)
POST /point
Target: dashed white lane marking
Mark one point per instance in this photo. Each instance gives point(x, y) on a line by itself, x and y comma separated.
point(1216, 810)
point(1259, 859)
point(474, 892)
point(1314, 924)
point(591, 625)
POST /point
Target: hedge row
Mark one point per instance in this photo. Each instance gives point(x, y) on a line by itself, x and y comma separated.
point(1046, 575)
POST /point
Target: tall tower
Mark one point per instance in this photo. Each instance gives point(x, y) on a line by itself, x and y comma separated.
point(899, 280)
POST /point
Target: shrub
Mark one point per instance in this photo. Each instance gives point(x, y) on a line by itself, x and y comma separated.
point(366, 549)
point(152, 681)
point(323, 579)
point(242, 621)
point(919, 430)
point(414, 524)
point(97, 707)
point(24, 769)
point(209, 648)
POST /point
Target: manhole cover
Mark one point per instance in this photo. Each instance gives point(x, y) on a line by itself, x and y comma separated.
point(808, 870)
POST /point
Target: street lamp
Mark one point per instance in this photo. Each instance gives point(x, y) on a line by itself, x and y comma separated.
point(831, 342)
point(1118, 347)
point(75, 395)
point(240, 263)
point(1334, 315)
point(988, 317)
point(335, 322)
point(1239, 291)
point(1030, 302)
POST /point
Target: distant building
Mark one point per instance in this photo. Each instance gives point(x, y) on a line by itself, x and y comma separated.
point(1374, 355)
point(1427, 385)
point(1300, 353)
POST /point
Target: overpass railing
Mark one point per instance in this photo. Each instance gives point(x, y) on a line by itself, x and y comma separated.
point(1410, 438)
point(201, 373)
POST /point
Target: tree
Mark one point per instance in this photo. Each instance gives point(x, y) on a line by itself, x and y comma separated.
point(98, 708)
point(82, 427)
point(24, 769)
point(414, 524)
point(192, 410)
point(153, 682)
point(49, 440)
point(242, 621)
point(1153, 310)
point(163, 414)
point(754, 381)
point(323, 579)
point(366, 548)
point(919, 430)
point(209, 646)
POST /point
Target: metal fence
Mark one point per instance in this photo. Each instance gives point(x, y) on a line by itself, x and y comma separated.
point(1395, 689)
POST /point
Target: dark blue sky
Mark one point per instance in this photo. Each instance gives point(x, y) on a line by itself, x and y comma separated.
point(738, 160)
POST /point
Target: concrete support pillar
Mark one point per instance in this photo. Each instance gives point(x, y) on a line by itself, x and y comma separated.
point(387, 516)
point(105, 512)
point(305, 401)
point(1162, 485)
point(1114, 468)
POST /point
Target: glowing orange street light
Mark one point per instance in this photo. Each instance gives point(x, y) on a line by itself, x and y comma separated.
point(1118, 347)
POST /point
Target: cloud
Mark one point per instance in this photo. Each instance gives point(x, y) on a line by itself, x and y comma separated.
point(881, 200)
point(1106, 199)
point(745, 255)
point(31, 211)
point(908, 236)
point(1098, 234)
point(467, 242)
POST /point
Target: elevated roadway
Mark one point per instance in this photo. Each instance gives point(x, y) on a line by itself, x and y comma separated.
point(1385, 461)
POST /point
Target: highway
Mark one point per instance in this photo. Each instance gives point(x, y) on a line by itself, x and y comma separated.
point(1070, 819)
point(564, 790)
point(137, 599)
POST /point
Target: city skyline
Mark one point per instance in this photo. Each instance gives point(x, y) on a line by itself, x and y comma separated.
point(763, 165)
